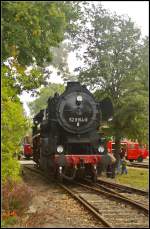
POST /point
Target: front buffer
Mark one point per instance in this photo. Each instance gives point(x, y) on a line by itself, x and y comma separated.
point(70, 166)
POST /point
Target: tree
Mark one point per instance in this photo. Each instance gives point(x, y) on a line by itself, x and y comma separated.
point(115, 65)
point(29, 32)
point(138, 98)
point(29, 29)
point(41, 102)
point(143, 67)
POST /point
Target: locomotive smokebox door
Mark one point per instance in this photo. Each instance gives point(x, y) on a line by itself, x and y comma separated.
point(106, 109)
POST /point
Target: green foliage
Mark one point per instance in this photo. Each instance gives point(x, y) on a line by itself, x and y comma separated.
point(14, 126)
point(131, 117)
point(10, 167)
point(44, 94)
point(116, 65)
point(30, 30)
point(143, 74)
point(111, 52)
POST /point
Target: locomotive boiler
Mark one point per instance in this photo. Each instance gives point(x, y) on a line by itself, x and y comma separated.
point(66, 141)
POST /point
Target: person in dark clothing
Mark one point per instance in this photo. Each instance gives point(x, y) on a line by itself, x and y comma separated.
point(111, 166)
point(120, 156)
point(124, 168)
point(107, 159)
point(118, 164)
point(123, 151)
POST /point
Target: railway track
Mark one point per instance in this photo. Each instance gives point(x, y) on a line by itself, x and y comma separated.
point(138, 165)
point(123, 188)
point(35, 170)
point(105, 206)
point(138, 196)
point(110, 209)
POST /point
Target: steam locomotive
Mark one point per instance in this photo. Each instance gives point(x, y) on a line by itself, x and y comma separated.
point(66, 141)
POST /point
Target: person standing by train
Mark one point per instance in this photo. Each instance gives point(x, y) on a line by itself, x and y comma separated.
point(118, 165)
point(111, 166)
point(122, 153)
point(116, 152)
point(107, 159)
point(124, 168)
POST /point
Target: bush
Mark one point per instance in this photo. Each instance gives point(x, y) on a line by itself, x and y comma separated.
point(16, 196)
point(10, 168)
point(14, 126)
point(8, 221)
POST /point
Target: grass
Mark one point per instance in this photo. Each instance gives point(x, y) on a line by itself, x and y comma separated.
point(137, 178)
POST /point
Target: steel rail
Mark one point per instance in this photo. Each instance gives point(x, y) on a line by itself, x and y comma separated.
point(33, 170)
point(88, 206)
point(116, 196)
point(112, 191)
point(122, 195)
point(144, 166)
point(123, 187)
point(38, 172)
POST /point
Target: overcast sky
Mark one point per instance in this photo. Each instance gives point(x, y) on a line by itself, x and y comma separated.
point(137, 10)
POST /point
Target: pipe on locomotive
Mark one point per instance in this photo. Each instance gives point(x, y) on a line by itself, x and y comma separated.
point(68, 177)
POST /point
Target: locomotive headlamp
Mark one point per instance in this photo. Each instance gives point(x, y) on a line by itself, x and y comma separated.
point(60, 149)
point(79, 98)
point(101, 149)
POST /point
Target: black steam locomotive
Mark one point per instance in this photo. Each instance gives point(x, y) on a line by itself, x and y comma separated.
point(66, 142)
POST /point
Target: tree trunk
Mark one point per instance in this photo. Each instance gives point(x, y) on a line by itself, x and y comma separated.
point(117, 145)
